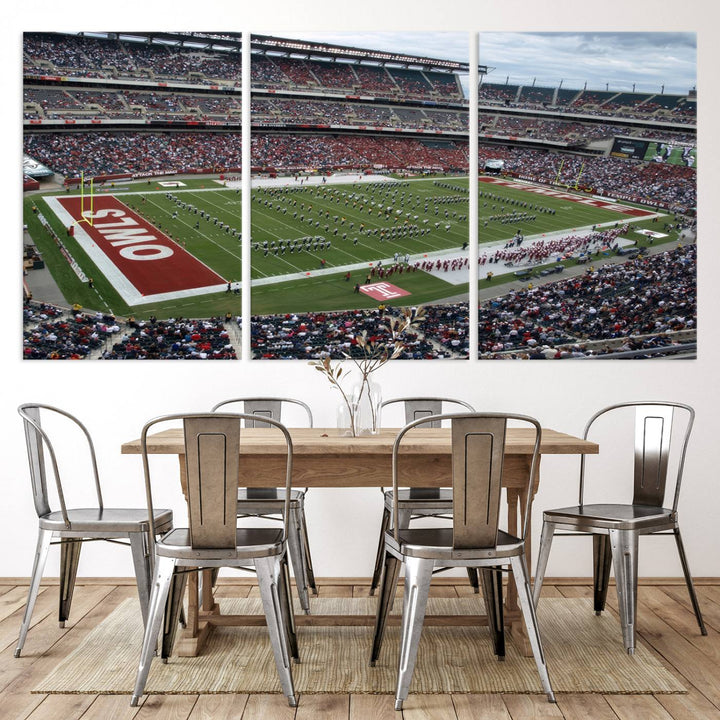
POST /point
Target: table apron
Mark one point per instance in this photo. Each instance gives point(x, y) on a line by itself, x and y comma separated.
point(373, 471)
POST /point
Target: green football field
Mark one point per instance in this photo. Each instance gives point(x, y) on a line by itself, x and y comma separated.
point(298, 231)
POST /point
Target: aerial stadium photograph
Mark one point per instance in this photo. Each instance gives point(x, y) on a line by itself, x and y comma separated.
point(360, 188)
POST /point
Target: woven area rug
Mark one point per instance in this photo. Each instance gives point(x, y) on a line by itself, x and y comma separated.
point(584, 654)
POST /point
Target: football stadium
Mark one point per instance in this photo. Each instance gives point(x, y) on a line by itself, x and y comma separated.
point(586, 204)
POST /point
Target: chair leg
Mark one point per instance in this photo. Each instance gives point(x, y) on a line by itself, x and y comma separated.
point(307, 558)
point(602, 561)
point(546, 538)
point(268, 574)
point(41, 553)
point(403, 522)
point(385, 602)
point(286, 608)
point(404, 518)
point(689, 581)
point(380, 557)
point(522, 582)
point(69, 559)
point(173, 608)
point(493, 597)
point(624, 545)
point(418, 574)
point(143, 570)
point(474, 579)
point(294, 543)
point(164, 571)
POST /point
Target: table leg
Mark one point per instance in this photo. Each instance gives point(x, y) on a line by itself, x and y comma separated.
point(193, 614)
point(208, 599)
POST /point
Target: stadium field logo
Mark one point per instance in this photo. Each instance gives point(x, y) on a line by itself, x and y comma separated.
point(383, 291)
point(143, 264)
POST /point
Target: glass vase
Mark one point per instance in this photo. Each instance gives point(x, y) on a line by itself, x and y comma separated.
point(346, 419)
point(367, 398)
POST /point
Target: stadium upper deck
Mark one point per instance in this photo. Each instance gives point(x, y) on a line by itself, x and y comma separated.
point(52, 105)
point(626, 105)
point(360, 108)
point(207, 64)
point(200, 60)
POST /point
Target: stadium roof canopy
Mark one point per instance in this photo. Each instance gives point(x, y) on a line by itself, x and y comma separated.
point(305, 49)
point(284, 47)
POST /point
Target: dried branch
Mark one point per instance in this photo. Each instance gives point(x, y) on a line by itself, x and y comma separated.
point(375, 355)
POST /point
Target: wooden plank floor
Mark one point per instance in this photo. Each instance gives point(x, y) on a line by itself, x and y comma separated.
point(665, 623)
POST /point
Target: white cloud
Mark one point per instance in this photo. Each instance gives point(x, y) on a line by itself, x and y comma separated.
point(649, 60)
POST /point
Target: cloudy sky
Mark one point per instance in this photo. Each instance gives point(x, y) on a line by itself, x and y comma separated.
point(649, 60)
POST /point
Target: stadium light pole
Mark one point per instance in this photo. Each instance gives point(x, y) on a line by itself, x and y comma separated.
point(246, 189)
point(473, 197)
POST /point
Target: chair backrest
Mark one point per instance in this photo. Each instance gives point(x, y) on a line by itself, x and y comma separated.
point(653, 432)
point(420, 407)
point(38, 443)
point(478, 449)
point(417, 408)
point(263, 407)
point(212, 461)
point(213, 466)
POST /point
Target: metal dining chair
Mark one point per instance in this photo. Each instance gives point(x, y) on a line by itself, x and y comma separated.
point(416, 503)
point(71, 527)
point(268, 502)
point(474, 540)
point(214, 540)
point(616, 528)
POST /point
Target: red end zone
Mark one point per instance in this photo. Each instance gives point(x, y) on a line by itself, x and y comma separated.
point(559, 195)
point(144, 256)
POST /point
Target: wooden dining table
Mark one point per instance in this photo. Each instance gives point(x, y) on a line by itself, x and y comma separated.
point(322, 457)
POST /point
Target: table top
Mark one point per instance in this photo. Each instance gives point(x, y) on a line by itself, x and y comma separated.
point(328, 441)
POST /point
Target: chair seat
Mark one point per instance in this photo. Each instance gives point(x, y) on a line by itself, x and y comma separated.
point(268, 500)
point(437, 543)
point(421, 499)
point(107, 520)
point(250, 543)
point(608, 516)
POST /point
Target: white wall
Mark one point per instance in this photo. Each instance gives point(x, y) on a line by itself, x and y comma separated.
point(115, 399)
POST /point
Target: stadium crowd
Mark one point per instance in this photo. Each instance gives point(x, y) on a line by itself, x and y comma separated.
point(173, 339)
point(97, 57)
point(657, 106)
point(651, 296)
point(333, 334)
point(78, 56)
point(635, 305)
point(47, 335)
point(108, 153)
point(169, 105)
point(101, 153)
point(51, 333)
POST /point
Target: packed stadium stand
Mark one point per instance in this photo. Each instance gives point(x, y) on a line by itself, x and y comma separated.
point(567, 318)
point(54, 333)
point(598, 313)
point(192, 79)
